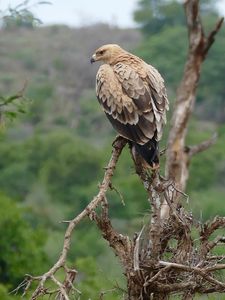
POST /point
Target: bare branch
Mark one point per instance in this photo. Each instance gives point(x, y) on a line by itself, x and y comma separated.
point(177, 163)
point(136, 250)
point(157, 275)
point(209, 228)
point(192, 150)
point(211, 37)
point(61, 262)
point(106, 292)
point(201, 272)
point(62, 295)
point(121, 244)
point(215, 268)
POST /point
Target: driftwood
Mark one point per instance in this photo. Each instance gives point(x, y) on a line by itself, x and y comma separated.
point(163, 259)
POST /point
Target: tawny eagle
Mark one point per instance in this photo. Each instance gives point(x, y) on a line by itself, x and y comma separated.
point(133, 96)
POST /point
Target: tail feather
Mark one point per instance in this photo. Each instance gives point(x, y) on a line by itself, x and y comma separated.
point(149, 152)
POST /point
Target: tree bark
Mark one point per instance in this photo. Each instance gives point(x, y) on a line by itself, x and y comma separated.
point(178, 158)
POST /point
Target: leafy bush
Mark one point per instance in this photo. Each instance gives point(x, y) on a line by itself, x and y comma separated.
point(21, 246)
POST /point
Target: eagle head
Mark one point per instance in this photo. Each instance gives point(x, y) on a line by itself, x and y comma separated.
point(106, 53)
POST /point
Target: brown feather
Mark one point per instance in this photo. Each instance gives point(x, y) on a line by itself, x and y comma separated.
point(132, 95)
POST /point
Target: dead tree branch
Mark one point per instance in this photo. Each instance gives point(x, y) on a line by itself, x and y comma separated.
point(61, 262)
point(143, 259)
point(164, 258)
point(178, 160)
point(192, 150)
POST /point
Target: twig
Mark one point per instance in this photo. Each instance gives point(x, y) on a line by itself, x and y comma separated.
point(62, 294)
point(211, 37)
point(215, 268)
point(136, 250)
point(40, 290)
point(202, 272)
point(214, 243)
point(180, 192)
point(157, 275)
point(106, 292)
point(208, 229)
point(217, 258)
point(192, 150)
point(113, 188)
point(173, 209)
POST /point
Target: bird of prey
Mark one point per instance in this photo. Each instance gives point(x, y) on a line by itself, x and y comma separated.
point(133, 97)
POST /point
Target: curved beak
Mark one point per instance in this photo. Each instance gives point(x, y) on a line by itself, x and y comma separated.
point(93, 59)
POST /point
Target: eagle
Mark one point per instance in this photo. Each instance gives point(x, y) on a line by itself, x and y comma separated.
point(133, 96)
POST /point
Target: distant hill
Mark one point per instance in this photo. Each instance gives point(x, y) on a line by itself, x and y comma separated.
point(55, 61)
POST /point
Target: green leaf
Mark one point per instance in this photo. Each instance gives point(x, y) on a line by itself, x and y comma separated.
point(10, 114)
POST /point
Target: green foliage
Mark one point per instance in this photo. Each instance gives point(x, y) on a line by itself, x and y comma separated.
point(211, 86)
point(4, 293)
point(154, 16)
point(57, 159)
point(94, 120)
point(42, 92)
point(21, 16)
point(21, 246)
point(128, 189)
point(20, 19)
point(69, 168)
point(12, 106)
point(206, 203)
point(15, 177)
point(208, 167)
point(169, 63)
point(95, 280)
point(87, 236)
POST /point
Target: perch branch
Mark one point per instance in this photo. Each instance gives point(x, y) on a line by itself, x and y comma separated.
point(120, 243)
point(61, 262)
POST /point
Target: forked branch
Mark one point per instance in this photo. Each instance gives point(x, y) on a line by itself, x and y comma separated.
point(64, 288)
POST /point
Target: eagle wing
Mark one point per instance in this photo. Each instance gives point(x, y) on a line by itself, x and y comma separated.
point(135, 106)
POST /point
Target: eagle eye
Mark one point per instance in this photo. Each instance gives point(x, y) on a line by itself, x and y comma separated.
point(101, 52)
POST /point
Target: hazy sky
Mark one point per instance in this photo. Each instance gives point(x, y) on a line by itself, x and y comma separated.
point(83, 12)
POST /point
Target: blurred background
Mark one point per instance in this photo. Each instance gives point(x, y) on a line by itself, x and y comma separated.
point(55, 141)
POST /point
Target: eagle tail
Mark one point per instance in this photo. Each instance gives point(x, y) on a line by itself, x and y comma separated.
point(149, 152)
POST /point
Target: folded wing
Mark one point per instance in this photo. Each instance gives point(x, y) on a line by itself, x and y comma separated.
point(134, 104)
